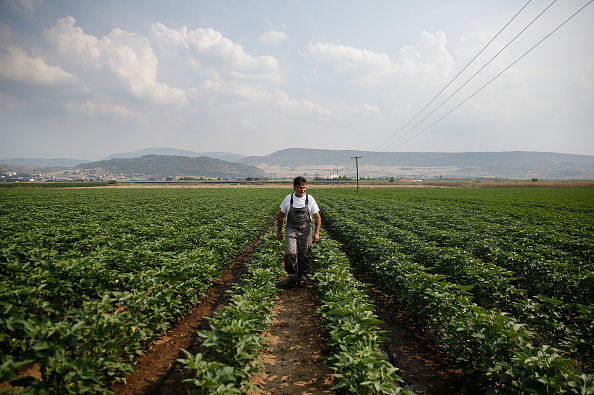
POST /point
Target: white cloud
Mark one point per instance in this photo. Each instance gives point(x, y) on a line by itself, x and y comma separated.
point(429, 57)
point(428, 60)
point(17, 65)
point(126, 56)
point(359, 65)
point(273, 37)
point(366, 109)
point(298, 108)
point(73, 45)
point(211, 54)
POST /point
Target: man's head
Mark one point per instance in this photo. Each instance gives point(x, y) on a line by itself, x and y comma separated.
point(299, 185)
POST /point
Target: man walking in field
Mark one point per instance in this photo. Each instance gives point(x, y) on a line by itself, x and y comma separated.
point(299, 208)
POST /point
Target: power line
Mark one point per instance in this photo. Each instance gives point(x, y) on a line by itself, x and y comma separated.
point(461, 71)
point(474, 75)
point(480, 89)
point(504, 70)
point(347, 164)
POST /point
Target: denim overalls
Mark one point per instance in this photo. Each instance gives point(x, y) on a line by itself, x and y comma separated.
point(298, 242)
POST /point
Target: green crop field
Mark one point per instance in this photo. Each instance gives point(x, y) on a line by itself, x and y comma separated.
point(502, 278)
point(89, 278)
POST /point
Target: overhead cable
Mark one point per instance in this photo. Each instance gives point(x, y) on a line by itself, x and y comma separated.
point(457, 75)
point(503, 71)
point(474, 75)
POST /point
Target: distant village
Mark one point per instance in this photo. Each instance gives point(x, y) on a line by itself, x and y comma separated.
point(13, 176)
point(86, 175)
point(91, 176)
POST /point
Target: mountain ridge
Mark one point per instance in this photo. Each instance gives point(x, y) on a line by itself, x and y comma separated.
point(69, 162)
point(227, 156)
point(290, 162)
point(170, 166)
point(506, 164)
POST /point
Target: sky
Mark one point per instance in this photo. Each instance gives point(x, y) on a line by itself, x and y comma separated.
point(86, 79)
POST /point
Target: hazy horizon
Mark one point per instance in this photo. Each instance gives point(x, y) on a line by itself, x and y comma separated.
point(91, 79)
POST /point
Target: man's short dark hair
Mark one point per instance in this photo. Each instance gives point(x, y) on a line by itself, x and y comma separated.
point(299, 180)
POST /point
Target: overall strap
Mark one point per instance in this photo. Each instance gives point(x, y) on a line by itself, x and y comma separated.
point(306, 199)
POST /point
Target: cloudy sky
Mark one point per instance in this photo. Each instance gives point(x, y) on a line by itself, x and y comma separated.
point(85, 79)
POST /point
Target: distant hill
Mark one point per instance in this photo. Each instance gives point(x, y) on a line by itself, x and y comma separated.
point(27, 169)
point(44, 163)
point(164, 166)
point(317, 162)
point(227, 156)
point(67, 163)
point(516, 165)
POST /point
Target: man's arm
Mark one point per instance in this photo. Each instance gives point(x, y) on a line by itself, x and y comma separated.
point(318, 220)
point(280, 219)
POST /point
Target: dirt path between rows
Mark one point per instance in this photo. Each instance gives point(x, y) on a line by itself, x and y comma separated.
point(423, 366)
point(294, 358)
point(152, 367)
point(295, 353)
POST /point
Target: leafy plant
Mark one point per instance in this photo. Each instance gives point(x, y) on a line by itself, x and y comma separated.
point(484, 274)
point(354, 337)
point(232, 346)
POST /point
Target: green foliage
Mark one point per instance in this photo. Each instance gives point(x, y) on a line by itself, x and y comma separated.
point(211, 377)
point(89, 278)
point(233, 343)
point(354, 337)
point(497, 276)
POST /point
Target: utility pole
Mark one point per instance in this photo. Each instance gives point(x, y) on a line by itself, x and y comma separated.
point(356, 158)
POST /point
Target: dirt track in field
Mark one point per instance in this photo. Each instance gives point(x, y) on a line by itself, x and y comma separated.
point(295, 354)
point(296, 348)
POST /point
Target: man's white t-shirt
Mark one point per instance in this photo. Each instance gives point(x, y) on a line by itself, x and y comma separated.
point(299, 202)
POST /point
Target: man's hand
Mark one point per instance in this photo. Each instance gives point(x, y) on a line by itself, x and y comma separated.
point(318, 220)
point(279, 223)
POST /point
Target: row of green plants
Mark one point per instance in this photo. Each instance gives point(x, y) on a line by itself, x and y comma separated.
point(231, 349)
point(540, 268)
point(552, 296)
point(554, 320)
point(545, 238)
point(499, 351)
point(354, 336)
point(90, 278)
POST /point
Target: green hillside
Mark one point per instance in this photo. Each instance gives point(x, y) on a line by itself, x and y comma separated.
point(162, 166)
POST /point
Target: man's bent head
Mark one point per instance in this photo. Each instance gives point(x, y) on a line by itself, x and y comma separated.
point(299, 185)
point(299, 180)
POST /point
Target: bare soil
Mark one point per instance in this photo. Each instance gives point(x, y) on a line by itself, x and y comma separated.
point(153, 367)
point(295, 351)
point(294, 357)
